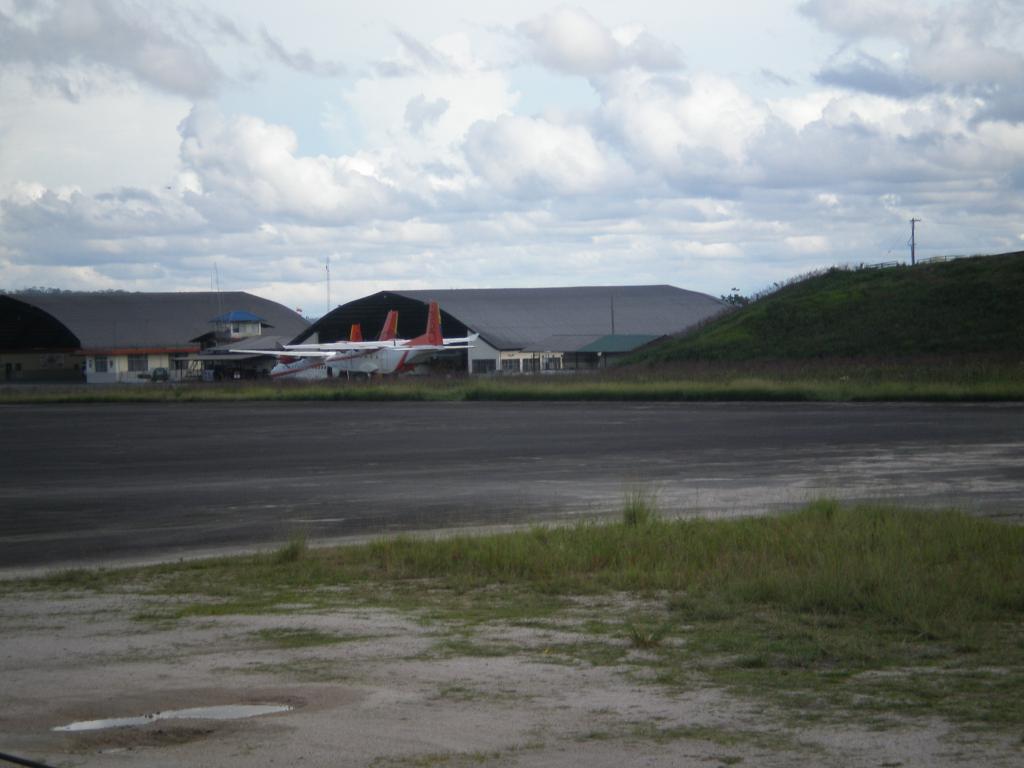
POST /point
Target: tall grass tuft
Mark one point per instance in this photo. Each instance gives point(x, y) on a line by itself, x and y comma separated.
point(639, 508)
point(645, 636)
point(293, 551)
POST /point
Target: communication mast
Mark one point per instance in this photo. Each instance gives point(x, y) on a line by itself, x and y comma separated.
point(327, 267)
point(913, 241)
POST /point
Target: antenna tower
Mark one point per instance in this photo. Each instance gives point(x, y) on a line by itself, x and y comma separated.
point(913, 241)
point(327, 268)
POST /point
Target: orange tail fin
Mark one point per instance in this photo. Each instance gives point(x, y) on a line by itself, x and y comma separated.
point(433, 333)
point(356, 332)
point(390, 329)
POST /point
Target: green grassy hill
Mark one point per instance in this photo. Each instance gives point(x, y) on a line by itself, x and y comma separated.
point(963, 306)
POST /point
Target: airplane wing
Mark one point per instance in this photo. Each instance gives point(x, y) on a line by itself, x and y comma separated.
point(463, 340)
point(285, 352)
point(347, 346)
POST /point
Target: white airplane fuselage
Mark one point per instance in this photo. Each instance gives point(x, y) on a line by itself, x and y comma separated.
point(304, 368)
point(386, 360)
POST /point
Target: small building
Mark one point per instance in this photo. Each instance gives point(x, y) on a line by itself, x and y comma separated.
point(120, 337)
point(529, 330)
point(220, 363)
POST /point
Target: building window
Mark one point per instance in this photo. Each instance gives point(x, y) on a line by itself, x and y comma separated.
point(100, 364)
point(138, 363)
point(531, 365)
point(552, 364)
point(510, 366)
point(484, 366)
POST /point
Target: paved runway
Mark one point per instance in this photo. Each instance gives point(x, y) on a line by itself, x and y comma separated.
point(86, 483)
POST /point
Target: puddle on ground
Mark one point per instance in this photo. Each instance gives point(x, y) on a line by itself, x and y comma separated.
point(227, 712)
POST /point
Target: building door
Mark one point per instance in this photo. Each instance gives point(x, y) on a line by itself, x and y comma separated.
point(8, 368)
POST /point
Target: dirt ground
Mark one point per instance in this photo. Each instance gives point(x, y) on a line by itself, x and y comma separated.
point(392, 691)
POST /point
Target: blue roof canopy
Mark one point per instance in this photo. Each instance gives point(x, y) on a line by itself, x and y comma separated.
point(238, 316)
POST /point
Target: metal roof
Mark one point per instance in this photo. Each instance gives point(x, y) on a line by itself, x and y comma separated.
point(153, 320)
point(562, 342)
point(517, 318)
point(617, 343)
point(269, 343)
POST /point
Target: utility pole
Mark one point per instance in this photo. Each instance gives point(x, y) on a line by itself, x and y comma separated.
point(220, 303)
point(913, 241)
point(327, 266)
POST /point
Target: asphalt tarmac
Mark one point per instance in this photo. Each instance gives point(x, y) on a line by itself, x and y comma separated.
point(96, 483)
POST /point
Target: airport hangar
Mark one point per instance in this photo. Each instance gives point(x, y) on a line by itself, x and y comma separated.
point(121, 337)
point(526, 330)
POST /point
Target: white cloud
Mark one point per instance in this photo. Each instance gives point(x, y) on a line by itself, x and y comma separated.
point(303, 60)
point(529, 156)
point(710, 250)
point(572, 41)
point(802, 244)
point(246, 167)
point(964, 46)
point(675, 123)
point(420, 113)
point(107, 34)
point(415, 231)
point(426, 109)
point(853, 19)
point(47, 139)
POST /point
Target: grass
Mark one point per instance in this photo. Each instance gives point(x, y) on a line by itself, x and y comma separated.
point(639, 508)
point(724, 737)
point(934, 378)
point(831, 611)
point(293, 551)
point(466, 647)
point(645, 635)
point(289, 637)
point(307, 670)
point(960, 307)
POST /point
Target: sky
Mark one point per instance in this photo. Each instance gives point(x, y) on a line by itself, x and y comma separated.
point(314, 152)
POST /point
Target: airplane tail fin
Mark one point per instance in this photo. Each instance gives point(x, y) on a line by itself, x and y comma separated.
point(356, 332)
point(390, 329)
point(433, 333)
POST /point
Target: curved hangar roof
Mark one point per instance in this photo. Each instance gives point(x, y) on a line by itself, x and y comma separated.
point(516, 318)
point(106, 321)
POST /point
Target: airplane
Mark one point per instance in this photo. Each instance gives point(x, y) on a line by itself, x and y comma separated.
point(387, 355)
point(302, 367)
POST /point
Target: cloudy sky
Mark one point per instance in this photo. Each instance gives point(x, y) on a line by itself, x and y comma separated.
point(158, 146)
